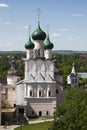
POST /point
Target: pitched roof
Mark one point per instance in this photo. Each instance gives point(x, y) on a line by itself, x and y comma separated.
point(49, 79)
point(30, 79)
point(39, 78)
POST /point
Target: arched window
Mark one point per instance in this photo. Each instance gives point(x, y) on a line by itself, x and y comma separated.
point(47, 113)
point(57, 91)
point(40, 93)
point(39, 52)
point(31, 93)
point(40, 113)
point(49, 94)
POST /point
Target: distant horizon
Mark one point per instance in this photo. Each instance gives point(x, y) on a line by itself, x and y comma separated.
point(25, 50)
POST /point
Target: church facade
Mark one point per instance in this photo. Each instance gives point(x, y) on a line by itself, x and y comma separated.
point(41, 89)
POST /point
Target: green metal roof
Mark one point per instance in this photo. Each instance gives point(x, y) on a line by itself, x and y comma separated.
point(29, 44)
point(48, 44)
point(38, 34)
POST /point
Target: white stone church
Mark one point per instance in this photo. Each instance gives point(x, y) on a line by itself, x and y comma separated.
point(73, 79)
point(41, 89)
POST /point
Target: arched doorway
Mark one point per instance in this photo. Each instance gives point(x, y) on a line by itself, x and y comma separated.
point(21, 110)
point(40, 113)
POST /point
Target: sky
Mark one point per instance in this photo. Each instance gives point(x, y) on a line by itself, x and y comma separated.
point(67, 21)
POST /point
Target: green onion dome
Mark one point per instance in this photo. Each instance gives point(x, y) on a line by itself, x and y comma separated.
point(38, 34)
point(48, 44)
point(29, 44)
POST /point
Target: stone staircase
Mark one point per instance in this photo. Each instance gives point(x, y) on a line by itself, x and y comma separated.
point(21, 119)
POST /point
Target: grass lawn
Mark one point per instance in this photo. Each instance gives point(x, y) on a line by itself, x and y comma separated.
point(33, 118)
point(8, 109)
point(41, 118)
point(39, 126)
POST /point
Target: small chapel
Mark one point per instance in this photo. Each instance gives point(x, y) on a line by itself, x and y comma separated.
point(41, 90)
point(73, 79)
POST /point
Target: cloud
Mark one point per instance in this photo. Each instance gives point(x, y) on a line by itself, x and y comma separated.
point(3, 5)
point(72, 38)
point(17, 38)
point(55, 35)
point(63, 29)
point(25, 27)
point(77, 14)
point(1, 44)
point(8, 23)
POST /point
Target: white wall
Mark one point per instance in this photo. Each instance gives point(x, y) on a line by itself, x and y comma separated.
point(12, 80)
point(20, 94)
point(34, 67)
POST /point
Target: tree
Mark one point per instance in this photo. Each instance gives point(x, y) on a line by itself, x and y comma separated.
point(64, 63)
point(72, 113)
point(6, 58)
point(83, 82)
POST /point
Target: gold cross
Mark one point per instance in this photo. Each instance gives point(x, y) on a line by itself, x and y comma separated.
point(29, 29)
point(47, 29)
point(38, 13)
